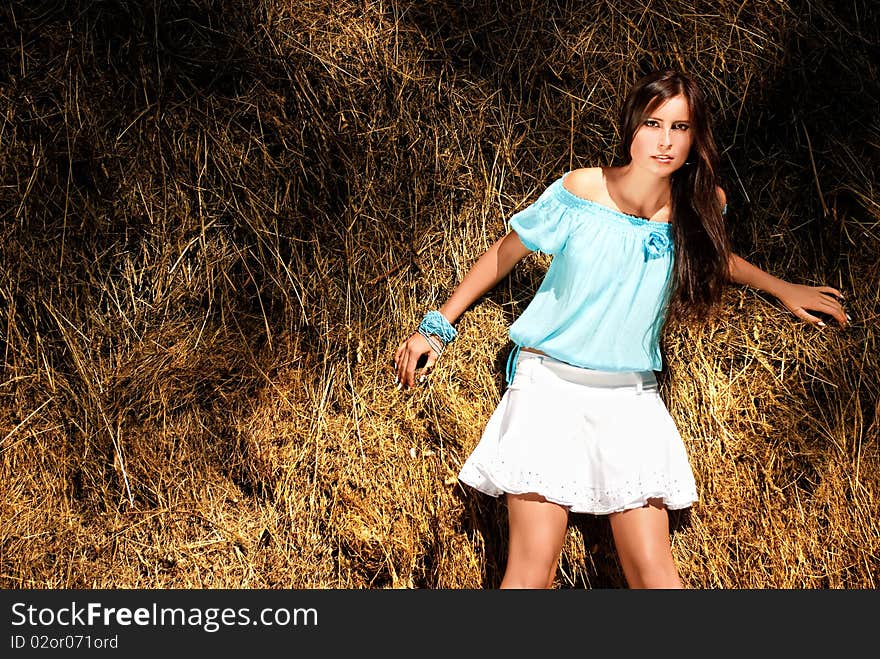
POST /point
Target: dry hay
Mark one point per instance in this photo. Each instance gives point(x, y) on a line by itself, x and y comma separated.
point(220, 220)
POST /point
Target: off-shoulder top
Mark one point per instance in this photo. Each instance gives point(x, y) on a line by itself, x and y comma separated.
point(603, 300)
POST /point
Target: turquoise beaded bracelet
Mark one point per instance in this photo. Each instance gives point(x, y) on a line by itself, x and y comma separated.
point(435, 323)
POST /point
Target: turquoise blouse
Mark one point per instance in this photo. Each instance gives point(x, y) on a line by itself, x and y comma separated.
point(603, 300)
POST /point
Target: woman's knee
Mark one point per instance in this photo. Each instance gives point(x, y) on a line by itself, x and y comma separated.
point(650, 570)
point(529, 571)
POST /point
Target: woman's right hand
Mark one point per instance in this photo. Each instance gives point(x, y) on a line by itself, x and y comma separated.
point(407, 357)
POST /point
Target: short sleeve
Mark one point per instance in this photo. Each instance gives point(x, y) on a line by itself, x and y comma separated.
point(724, 211)
point(543, 226)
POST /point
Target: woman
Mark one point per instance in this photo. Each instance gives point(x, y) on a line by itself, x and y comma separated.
point(581, 426)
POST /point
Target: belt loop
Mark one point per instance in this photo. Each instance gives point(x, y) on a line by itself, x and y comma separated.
point(639, 380)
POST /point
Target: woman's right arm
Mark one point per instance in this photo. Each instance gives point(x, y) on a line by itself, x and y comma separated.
point(495, 264)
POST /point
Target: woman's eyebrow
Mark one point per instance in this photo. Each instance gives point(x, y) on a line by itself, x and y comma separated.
point(674, 121)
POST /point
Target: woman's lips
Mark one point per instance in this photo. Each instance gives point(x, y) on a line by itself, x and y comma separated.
point(663, 158)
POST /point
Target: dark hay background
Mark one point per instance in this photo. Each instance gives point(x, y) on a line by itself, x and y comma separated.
point(219, 219)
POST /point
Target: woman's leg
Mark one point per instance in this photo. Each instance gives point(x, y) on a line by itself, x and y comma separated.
point(641, 536)
point(536, 531)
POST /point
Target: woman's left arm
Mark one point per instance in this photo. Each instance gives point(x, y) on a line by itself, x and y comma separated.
point(797, 298)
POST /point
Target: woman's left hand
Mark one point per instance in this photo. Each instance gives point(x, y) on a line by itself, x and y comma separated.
point(799, 298)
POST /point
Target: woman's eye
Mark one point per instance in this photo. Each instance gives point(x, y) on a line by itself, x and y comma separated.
point(650, 122)
point(681, 126)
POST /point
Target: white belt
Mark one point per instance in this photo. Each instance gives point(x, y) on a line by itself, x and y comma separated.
point(638, 380)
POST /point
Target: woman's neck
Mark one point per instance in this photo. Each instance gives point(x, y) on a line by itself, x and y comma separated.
point(636, 189)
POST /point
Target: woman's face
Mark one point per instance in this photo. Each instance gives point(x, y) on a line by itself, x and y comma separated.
point(662, 143)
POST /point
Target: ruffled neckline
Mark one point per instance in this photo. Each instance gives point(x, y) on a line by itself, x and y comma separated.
point(566, 196)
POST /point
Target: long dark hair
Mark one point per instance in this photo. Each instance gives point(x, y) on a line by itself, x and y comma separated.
point(702, 244)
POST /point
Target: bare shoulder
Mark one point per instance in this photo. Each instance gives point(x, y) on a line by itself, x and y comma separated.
point(584, 182)
point(721, 196)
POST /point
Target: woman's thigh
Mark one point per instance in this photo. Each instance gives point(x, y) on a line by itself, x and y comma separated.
point(641, 536)
point(536, 531)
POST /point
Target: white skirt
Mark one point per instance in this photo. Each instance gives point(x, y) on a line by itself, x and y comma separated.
point(593, 441)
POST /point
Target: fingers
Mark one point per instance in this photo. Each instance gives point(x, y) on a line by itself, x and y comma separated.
point(400, 364)
point(803, 314)
point(410, 377)
point(839, 314)
point(840, 317)
point(400, 369)
point(832, 291)
point(833, 308)
point(826, 299)
point(406, 361)
point(828, 306)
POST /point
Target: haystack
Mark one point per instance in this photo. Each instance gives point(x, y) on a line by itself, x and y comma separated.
point(220, 219)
